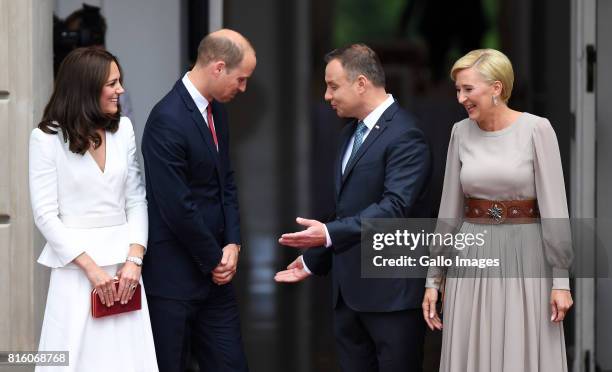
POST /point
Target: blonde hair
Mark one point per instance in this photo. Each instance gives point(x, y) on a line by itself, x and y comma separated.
point(492, 64)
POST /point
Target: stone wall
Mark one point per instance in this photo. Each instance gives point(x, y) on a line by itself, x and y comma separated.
point(26, 74)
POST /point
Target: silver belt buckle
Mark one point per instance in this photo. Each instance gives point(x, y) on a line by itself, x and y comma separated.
point(497, 212)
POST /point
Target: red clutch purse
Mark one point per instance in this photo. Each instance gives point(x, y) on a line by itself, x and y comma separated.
point(99, 310)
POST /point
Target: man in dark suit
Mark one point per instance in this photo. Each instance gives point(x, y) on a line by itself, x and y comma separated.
point(194, 232)
point(382, 171)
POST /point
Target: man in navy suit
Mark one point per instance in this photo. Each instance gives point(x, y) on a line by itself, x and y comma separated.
point(382, 171)
point(194, 227)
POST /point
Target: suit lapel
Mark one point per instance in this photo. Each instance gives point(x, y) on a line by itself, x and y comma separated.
point(200, 124)
point(374, 134)
point(345, 137)
point(370, 139)
point(206, 135)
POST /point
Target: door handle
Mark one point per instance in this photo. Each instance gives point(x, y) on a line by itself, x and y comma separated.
point(591, 55)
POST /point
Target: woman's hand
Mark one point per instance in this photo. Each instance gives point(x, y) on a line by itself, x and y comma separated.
point(560, 301)
point(129, 276)
point(99, 279)
point(429, 309)
point(104, 285)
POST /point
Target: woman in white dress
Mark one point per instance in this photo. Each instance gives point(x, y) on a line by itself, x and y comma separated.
point(89, 203)
point(502, 167)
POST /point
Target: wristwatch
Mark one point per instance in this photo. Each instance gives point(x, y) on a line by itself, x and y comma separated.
point(134, 260)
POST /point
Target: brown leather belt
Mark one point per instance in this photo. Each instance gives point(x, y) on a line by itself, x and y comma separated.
point(484, 211)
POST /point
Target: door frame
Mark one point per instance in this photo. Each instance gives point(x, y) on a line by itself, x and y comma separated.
point(583, 171)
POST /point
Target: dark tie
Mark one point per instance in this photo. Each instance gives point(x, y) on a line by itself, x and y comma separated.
point(359, 137)
point(211, 124)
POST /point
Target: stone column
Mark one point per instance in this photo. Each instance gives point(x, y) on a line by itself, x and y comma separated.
point(26, 79)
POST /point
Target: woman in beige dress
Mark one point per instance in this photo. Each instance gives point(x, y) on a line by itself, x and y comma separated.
point(502, 166)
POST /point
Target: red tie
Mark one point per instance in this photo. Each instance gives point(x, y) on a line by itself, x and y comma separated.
point(211, 124)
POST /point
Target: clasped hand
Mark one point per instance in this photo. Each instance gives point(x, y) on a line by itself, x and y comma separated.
point(129, 276)
point(226, 269)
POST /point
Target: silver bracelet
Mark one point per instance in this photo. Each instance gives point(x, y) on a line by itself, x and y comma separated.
point(134, 260)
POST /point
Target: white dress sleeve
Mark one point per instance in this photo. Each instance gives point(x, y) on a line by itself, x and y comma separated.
point(552, 203)
point(44, 198)
point(135, 195)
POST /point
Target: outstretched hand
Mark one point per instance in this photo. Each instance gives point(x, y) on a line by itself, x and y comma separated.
point(313, 236)
point(295, 272)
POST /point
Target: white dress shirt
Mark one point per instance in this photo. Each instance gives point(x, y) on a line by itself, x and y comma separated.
point(80, 208)
point(370, 121)
point(201, 102)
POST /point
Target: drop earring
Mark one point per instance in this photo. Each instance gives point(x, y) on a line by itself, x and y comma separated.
point(494, 100)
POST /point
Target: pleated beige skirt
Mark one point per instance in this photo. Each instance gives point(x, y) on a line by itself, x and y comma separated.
point(498, 320)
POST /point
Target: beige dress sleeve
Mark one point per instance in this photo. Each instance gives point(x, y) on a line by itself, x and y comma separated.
point(451, 205)
point(552, 202)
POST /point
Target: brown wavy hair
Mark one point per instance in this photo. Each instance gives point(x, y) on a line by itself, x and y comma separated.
point(74, 107)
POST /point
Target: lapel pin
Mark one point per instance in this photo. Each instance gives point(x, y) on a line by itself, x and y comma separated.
point(377, 127)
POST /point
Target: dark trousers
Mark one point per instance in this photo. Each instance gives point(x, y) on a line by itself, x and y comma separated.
point(208, 329)
point(379, 342)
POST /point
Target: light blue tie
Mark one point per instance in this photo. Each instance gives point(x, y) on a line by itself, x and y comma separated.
point(359, 137)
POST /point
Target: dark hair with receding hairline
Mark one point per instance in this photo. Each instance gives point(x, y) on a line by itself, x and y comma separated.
point(220, 48)
point(359, 59)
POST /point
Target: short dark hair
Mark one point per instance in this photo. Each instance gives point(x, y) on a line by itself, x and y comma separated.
point(74, 107)
point(91, 23)
point(215, 47)
point(359, 59)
